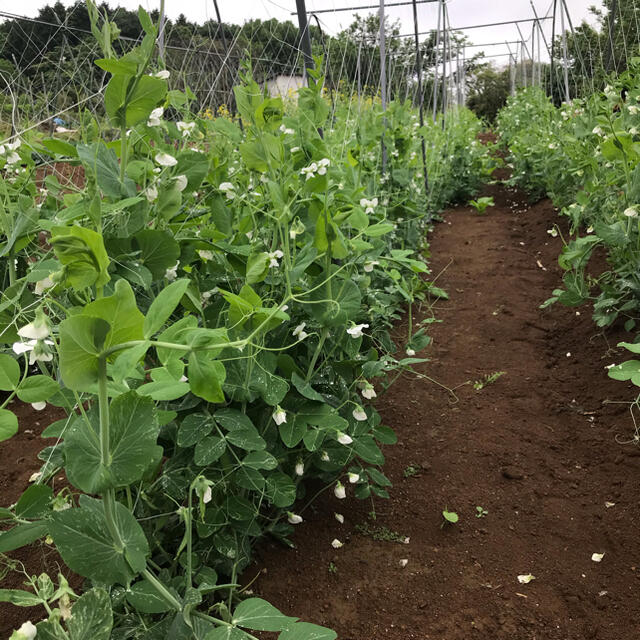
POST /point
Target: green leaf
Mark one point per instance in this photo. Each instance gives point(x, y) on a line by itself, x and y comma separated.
point(257, 267)
point(22, 535)
point(307, 631)
point(164, 390)
point(115, 66)
point(206, 377)
point(19, 597)
point(143, 597)
point(292, 431)
point(450, 516)
point(128, 360)
point(158, 251)
point(102, 162)
point(231, 419)
point(259, 615)
point(194, 166)
point(85, 544)
point(92, 617)
point(121, 312)
point(60, 147)
point(208, 450)
point(247, 438)
point(37, 389)
point(81, 342)
point(133, 432)
point(260, 460)
point(8, 425)
point(34, 502)
point(193, 428)
point(281, 490)
point(81, 251)
point(127, 106)
point(368, 450)
point(163, 306)
point(227, 633)
point(305, 389)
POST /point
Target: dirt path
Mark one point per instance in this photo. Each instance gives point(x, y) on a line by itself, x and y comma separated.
point(536, 449)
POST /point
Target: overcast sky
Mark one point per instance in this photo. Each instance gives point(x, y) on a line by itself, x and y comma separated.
point(462, 13)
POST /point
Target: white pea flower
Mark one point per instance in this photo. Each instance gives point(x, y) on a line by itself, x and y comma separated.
point(598, 131)
point(163, 75)
point(228, 190)
point(368, 392)
point(299, 331)
point(339, 517)
point(12, 146)
point(323, 165)
point(369, 265)
point(206, 496)
point(634, 131)
point(589, 229)
point(165, 160)
point(27, 631)
point(403, 563)
point(172, 273)
point(43, 285)
point(353, 477)
point(151, 193)
point(339, 491)
point(39, 406)
point(631, 212)
point(526, 578)
point(369, 205)
point(299, 468)
point(359, 414)
point(205, 254)
point(181, 182)
point(36, 349)
point(295, 149)
point(344, 439)
point(12, 158)
point(336, 544)
point(155, 117)
point(274, 256)
point(293, 518)
point(597, 557)
point(286, 131)
point(410, 352)
point(186, 128)
point(553, 232)
point(36, 330)
point(356, 330)
point(34, 477)
point(279, 415)
point(325, 457)
point(633, 109)
point(309, 171)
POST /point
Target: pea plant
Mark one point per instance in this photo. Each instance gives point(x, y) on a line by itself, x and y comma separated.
point(210, 306)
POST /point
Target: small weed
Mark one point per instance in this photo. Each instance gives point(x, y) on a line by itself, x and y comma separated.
point(490, 378)
point(381, 533)
point(450, 517)
point(412, 470)
point(481, 512)
point(481, 204)
point(332, 568)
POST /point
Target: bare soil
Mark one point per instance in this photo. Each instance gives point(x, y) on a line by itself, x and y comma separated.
point(539, 449)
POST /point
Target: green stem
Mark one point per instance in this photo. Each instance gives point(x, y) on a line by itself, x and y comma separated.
point(164, 593)
point(123, 152)
point(189, 540)
point(316, 355)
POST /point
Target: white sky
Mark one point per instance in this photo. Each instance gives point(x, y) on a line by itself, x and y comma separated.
point(462, 13)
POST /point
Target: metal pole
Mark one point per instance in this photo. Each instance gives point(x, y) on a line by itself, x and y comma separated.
point(305, 36)
point(435, 65)
point(161, 22)
point(445, 38)
point(383, 78)
point(523, 74)
point(565, 56)
point(420, 97)
point(553, 51)
point(533, 55)
point(612, 33)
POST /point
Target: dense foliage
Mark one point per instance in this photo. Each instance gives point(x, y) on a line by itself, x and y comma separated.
point(210, 305)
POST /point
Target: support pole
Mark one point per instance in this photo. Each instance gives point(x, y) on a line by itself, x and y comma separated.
point(420, 97)
point(445, 38)
point(305, 36)
point(383, 78)
point(435, 64)
point(565, 61)
point(553, 51)
point(161, 22)
point(611, 63)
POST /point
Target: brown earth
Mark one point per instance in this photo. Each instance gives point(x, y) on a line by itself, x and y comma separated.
point(539, 449)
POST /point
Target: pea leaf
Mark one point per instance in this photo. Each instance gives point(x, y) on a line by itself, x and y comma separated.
point(9, 372)
point(84, 541)
point(19, 597)
point(34, 502)
point(163, 306)
point(8, 424)
point(158, 251)
point(258, 614)
point(144, 597)
point(206, 377)
point(208, 450)
point(92, 617)
point(37, 389)
point(22, 535)
point(307, 631)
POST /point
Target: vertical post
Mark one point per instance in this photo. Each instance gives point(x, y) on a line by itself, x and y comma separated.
point(445, 39)
point(464, 75)
point(383, 77)
point(161, 22)
point(540, 33)
point(565, 61)
point(553, 51)
point(305, 36)
point(435, 65)
point(359, 72)
point(611, 63)
point(533, 55)
point(420, 96)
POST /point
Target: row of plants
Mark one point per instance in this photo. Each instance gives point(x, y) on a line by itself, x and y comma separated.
point(210, 305)
point(585, 156)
